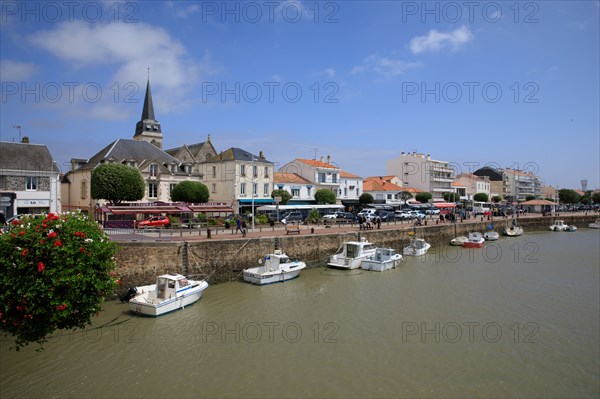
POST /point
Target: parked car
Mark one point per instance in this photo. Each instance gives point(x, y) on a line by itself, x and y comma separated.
point(432, 211)
point(345, 217)
point(416, 215)
point(331, 216)
point(388, 216)
point(402, 215)
point(293, 217)
point(154, 222)
point(368, 213)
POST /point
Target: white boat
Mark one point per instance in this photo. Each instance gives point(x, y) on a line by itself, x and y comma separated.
point(491, 235)
point(475, 240)
point(571, 228)
point(595, 225)
point(416, 247)
point(558, 225)
point(278, 267)
point(351, 254)
point(514, 230)
point(383, 259)
point(171, 292)
point(459, 241)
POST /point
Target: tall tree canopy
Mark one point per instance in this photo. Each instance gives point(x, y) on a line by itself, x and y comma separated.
point(285, 196)
point(324, 196)
point(365, 198)
point(481, 197)
point(423, 197)
point(116, 182)
point(190, 191)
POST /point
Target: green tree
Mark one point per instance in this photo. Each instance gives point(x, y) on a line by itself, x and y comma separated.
point(55, 271)
point(596, 197)
point(530, 197)
point(423, 197)
point(568, 196)
point(285, 196)
point(496, 198)
point(313, 216)
point(405, 195)
point(481, 197)
point(190, 191)
point(324, 196)
point(365, 198)
point(116, 182)
point(451, 197)
point(585, 200)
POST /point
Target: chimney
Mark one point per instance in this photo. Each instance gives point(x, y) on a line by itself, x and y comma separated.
point(260, 155)
point(428, 157)
point(25, 140)
point(321, 158)
point(402, 153)
point(329, 159)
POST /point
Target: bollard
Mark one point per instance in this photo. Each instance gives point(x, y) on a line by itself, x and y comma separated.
point(312, 230)
point(207, 232)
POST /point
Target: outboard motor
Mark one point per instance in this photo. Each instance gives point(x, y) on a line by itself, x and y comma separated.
point(129, 294)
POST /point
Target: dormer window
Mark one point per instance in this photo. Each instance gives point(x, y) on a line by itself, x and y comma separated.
point(153, 170)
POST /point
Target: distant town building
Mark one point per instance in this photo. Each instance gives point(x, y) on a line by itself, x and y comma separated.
point(468, 184)
point(351, 188)
point(516, 185)
point(323, 174)
point(496, 179)
point(237, 177)
point(299, 188)
point(161, 170)
point(384, 189)
point(421, 172)
point(29, 179)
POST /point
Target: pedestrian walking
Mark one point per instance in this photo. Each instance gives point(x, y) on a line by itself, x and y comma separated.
point(243, 224)
point(238, 225)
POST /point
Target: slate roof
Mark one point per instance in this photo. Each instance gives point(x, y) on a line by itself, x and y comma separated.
point(125, 150)
point(25, 156)
point(194, 149)
point(236, 154)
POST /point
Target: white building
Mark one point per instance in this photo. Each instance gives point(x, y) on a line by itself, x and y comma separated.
point(301, 190)
point(467, 185)
point(351, 188)
point(384, 189)
point(423, 173)
point(323, 175)
point(29, 179)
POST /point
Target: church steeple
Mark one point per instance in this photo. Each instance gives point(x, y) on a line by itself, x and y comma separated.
point(148, 128)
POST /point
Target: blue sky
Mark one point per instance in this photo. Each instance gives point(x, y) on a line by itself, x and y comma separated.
point(475, 83)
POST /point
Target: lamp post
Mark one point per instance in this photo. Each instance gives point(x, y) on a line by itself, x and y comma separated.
point(252, 171)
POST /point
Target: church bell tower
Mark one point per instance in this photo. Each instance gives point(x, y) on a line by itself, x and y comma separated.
point(148, 128)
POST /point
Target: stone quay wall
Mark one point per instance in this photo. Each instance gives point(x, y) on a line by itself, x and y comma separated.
point(221, 260)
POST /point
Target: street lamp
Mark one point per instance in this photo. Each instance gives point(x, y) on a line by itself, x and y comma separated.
point(252, 171)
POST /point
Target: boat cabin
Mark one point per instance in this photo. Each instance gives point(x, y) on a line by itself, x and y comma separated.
point(354, 249)
point(276, 260)
point(383, 254)
point(168, 285)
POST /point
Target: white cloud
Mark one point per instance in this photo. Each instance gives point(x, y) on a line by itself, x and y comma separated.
point(330, 72)
point(132, 48)
point(385, 66)
point(16, 71)
point(435, 40)
point(183, 12)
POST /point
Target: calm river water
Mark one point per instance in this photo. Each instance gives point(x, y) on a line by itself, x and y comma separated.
point(519, 318)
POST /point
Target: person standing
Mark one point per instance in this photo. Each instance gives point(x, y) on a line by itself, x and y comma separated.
point(243, 224)
point(238, 225)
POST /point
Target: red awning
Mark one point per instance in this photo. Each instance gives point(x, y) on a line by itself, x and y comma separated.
point(444, 205)
point(120, 210)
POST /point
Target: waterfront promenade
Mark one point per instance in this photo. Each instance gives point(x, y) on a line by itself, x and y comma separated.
point(260, 231)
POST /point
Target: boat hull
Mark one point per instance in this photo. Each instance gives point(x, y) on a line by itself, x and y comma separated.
point(473, 244)
point(275, 277)
point(458, 241)
point(513, 232)
point(491, 236)
point(379, 266)
point(594, 225)
point(142, 303)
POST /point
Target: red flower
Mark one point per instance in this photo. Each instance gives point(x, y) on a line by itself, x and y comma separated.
point(82, 249)
point(15, 222)
point(40, 267)
point(22, 232)
point(119, 282)
point(57, 243)
point(52, 235)
point(24, 253)
point(42, 242)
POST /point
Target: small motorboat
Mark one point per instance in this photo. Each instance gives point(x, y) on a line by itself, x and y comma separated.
point(475, 240)
point(491, 235)
point(351, 254)
point(416, 247)
point(513, 230)
point(571, 228)
point(595, 225)
point(459, 241)
point(558, 225)
point(383, 259)
point(171, 292)
point(278, 267)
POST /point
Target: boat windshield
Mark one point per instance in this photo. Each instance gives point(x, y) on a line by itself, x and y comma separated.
point(352, 251)
point(161, 285)
point(284, 259)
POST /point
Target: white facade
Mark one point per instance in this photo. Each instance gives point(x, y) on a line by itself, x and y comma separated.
point(323, 175)
point(421, 172)
point(301, 190)
point(467, 185)
point(351, 186)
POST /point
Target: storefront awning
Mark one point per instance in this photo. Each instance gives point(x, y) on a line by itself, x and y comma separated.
point(256, 201)
point(444, 205)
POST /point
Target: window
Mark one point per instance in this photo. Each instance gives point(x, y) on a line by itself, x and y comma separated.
point(152, 190)
point(295, 192)
point(255, 171)
point(345, 191)
point(266, 190)
point(214, 168)
point(243, 189)
point(84, 189)
point(31, 183)
point(214, 187)
point(334, 178)
point(321, 177)
point(266, 171)
point(243, 170)
point(254, 190)
point(308, 190)
point(132, 164)
point(153, 170)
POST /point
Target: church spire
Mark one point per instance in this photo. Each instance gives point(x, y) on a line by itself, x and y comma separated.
point(148, 128)
point(148, 110)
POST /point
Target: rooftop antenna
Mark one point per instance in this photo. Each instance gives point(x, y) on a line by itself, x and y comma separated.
point(148, 72)
point(316, 150)
point(18, 127)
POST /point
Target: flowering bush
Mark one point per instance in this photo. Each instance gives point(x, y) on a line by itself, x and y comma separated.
point(55, 271)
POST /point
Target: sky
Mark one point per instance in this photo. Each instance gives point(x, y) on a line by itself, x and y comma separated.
point(504, 84)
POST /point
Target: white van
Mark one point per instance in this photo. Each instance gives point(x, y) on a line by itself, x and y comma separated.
point(368, 213)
